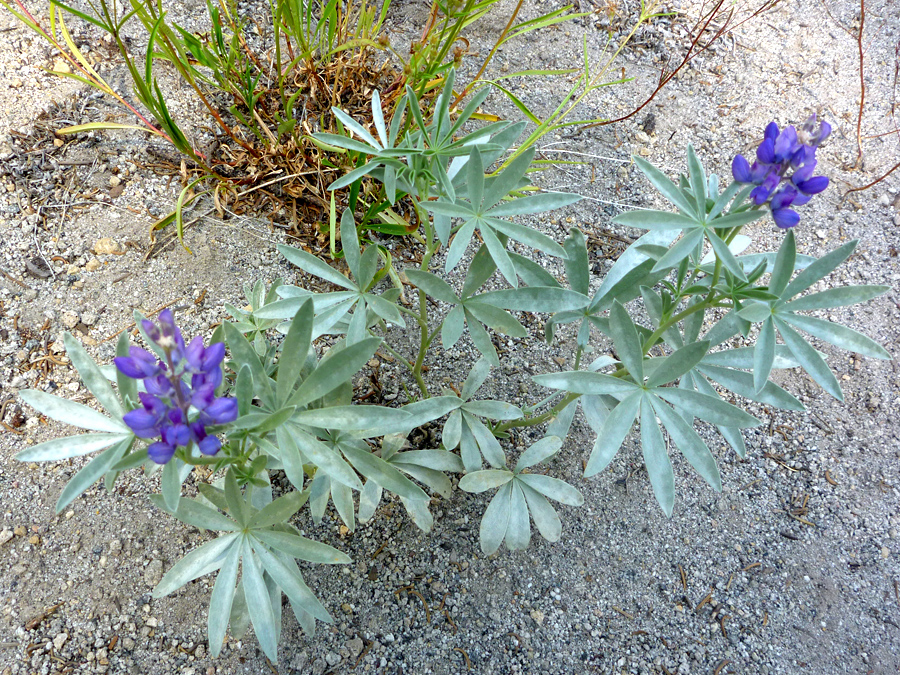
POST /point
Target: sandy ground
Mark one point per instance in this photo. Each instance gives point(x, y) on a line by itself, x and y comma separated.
point(731, 583)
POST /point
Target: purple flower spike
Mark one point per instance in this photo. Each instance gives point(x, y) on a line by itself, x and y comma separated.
point(781, 152)
point(740, 169)
point(151, 330)
point(213, 356)
point(759, 172)
point(783, 198)
point(169, 405)
point(804, 173)
point(178, 435)
point(159, 385)
point(800, 200)
point(210, 445)
point(167, 323)
point(203, 397)
point(811, 135)
point(193, 354)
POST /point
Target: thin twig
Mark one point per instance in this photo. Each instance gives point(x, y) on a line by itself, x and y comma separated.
point(13, 279)
point(862, 80)
point(874, 182)
point(666, 76)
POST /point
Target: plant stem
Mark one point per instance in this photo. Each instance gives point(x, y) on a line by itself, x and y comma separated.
point(665, 325)
point(538, 419)
point(430, 247)
point(409, 366)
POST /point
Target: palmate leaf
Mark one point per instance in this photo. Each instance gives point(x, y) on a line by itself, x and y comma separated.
point(375, 468)
point(698, 180)
point(221, 599)
point(724, 367)
point(611, 436)
point(689, 443)
point(778, 317)
point(293, 353)
point(742, 384)
point(666, 187)
point(630, 273)
point(93, 379)
point(336, 368)
point(426, 466)
point(92, 472)
point(485, 214)
point(694, 220)
point(243, 354)
point(730, 434)
point(495, 521)
point(324, 487)
point(259, 604)
point(647, 400)
point(265, 548)
point(507, 516)
point(478, 441)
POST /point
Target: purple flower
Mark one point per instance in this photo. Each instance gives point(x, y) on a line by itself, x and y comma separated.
point(780, 152)
point(209, 445)
point(813, 186)
point(139, 364)
point(785, 218)
point(166, 405)
point(221, 411)
point(812, 135)
point(740, 169)
point(786, 145)
point(765, 153)
point(160, 452)
point(147, 420)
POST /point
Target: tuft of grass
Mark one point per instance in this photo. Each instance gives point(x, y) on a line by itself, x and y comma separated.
point(268, 87)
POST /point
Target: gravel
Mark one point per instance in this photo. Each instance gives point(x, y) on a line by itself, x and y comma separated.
point(793, 568)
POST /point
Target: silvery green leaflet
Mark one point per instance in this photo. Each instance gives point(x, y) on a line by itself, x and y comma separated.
point(713, 321)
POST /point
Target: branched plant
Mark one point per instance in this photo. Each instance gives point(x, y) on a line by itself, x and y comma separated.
point(274, 402)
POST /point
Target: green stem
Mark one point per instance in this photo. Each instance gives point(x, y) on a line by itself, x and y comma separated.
point(411, 313)
point(715, 279)
point(538, 419)
point(430, 248)
point(409, 366)
point(578, 353)
point(665, 325)
point(540, 404)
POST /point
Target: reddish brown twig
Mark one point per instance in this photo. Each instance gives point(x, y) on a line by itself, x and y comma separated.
point(694, 50)
point(862, 80)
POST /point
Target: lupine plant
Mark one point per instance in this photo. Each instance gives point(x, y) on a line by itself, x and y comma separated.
point(681, 317)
